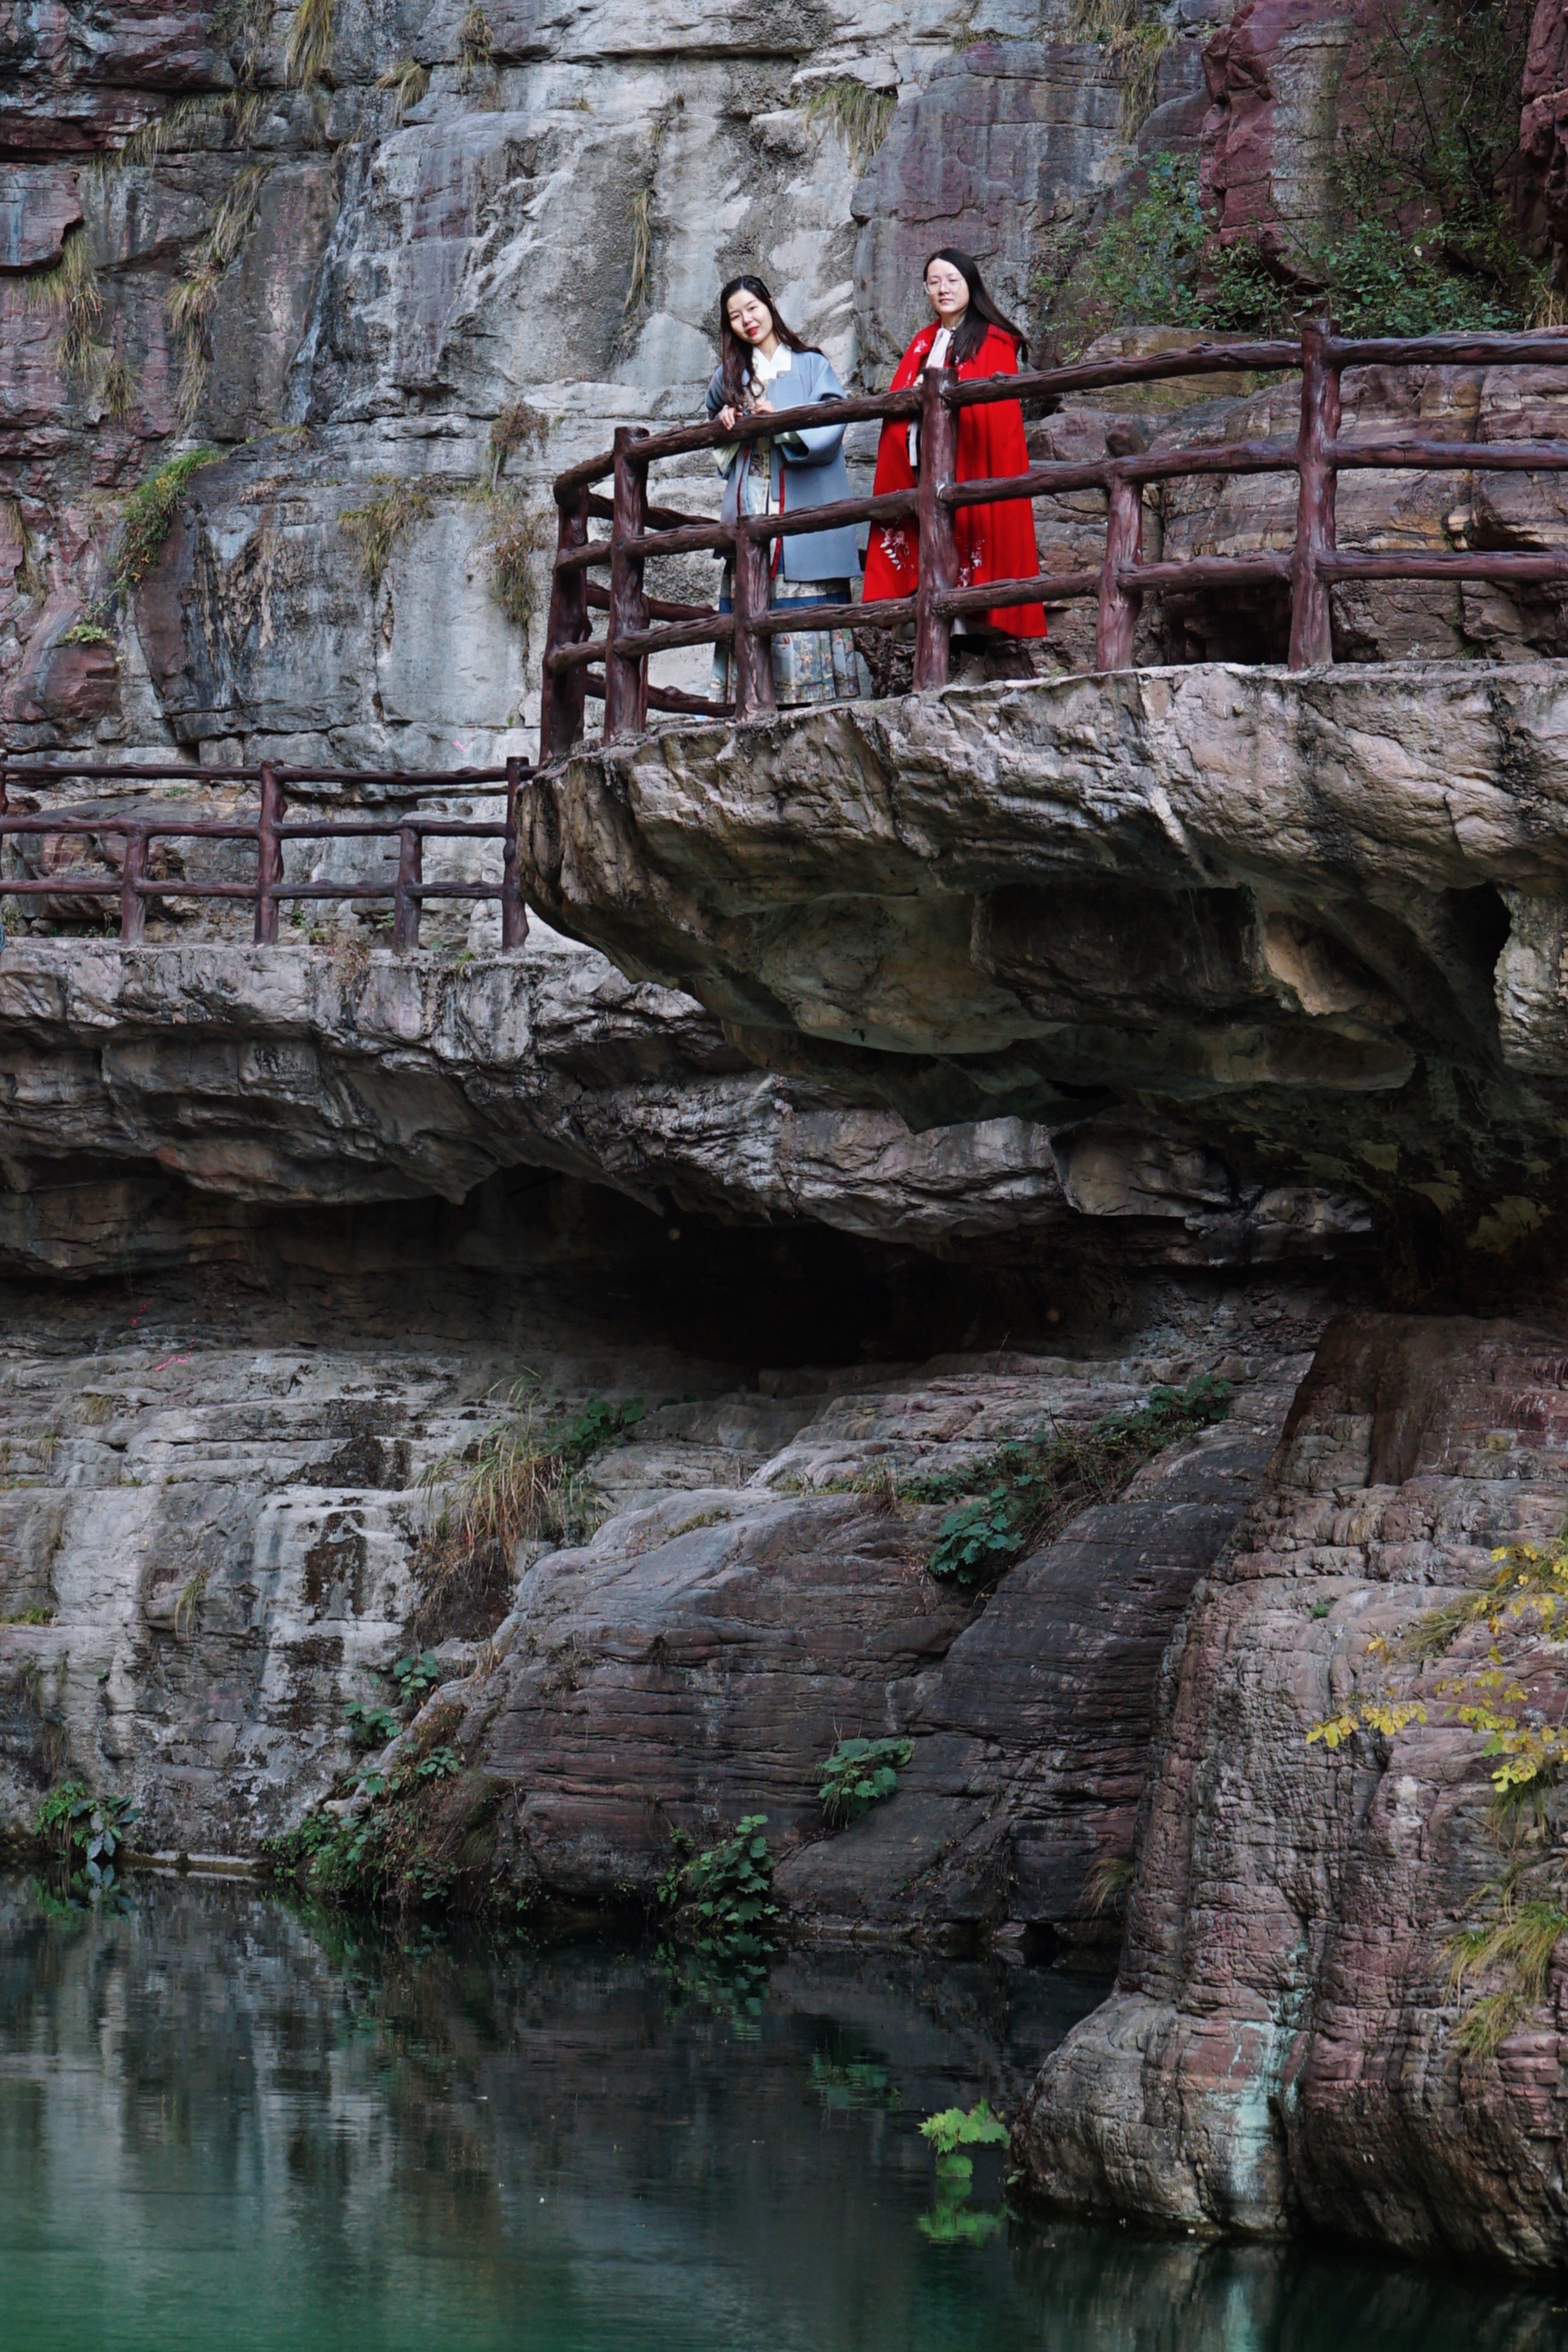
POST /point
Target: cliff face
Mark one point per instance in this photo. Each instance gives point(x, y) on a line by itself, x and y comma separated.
point(1282, 2040)
point(416, 268)
point(961, 1067)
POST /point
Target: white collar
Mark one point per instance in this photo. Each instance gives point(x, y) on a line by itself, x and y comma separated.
point(764, 370)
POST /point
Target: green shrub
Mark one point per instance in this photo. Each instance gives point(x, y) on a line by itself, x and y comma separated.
point(721, 1900)
point(81, 1835)
point(861, 1773)
point(1430, 143)
point(1033, 1485)
point(371, 1726)
point(414, 1676)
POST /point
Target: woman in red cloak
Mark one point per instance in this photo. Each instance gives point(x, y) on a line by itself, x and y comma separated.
point(970, 334)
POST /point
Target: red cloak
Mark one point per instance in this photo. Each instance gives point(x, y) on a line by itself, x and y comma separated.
point(993, 543)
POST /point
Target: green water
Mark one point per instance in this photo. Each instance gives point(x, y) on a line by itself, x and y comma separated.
point(221, 2130)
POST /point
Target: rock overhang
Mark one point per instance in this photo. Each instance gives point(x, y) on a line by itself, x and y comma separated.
point(1316, 922)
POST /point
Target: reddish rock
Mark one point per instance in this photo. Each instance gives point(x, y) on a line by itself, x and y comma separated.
point(36, 207)
point(1283, 80)
point(1281, 2037)
point(1004, 136)
point(1544, 125)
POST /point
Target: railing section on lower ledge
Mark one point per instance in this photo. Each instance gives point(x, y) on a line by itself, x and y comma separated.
point(270, 828)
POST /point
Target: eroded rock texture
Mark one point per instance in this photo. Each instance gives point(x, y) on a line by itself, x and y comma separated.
point(1281, 2043)
point(1308, 924)
point(333, 1075)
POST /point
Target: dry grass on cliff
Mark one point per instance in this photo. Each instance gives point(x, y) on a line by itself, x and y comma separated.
point(380, 524)
point(193, 299)
point(526, 1480)
point(515, 537)
point(863, 117)
point(69, 291)
point(1136, 37)
point(475, 46)
point(308, 49)
point(408, 81)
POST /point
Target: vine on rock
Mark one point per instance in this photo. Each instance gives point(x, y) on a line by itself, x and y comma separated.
point(1523, 1911)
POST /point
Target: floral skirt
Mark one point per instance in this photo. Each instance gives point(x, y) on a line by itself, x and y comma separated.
point(809, 666)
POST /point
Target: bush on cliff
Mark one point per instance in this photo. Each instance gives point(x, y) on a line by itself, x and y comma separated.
point(1024, 1493)
point(859, 1774)
point(1423, 241)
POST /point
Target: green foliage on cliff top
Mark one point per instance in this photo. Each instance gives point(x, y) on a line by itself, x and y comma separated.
point(1024, 1492)
point(1436, 126)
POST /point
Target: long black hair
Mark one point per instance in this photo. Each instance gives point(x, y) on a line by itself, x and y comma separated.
point(970, 331)
point(735, 354)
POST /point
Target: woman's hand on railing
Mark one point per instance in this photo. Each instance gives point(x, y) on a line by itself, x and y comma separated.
point(729, 416)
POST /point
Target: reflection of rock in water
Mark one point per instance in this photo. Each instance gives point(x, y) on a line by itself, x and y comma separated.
point(283, 2135)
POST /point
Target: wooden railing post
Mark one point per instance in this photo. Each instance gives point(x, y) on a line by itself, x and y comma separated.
point(1116, 623)
point(514, 913)
point(132, 905)
point(565, 690)
point(410, 872)
point(1311, 621)
point(939, 554)
point(626, 675)
point(751, 666)
point(268, 856)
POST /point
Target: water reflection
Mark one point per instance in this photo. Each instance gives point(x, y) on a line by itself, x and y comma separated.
point(220, 2127)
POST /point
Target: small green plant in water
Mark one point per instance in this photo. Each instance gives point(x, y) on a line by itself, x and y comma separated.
point(861, 1773)
point(1033, 1485)
point(952, 2222)
point(81, 1835)
point(721, 1899)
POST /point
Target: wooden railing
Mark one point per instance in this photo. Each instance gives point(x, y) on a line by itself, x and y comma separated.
point(639, 626)
point(270, 828)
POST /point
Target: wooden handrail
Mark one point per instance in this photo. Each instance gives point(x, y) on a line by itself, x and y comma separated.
point(268, 828)
point(641, 625)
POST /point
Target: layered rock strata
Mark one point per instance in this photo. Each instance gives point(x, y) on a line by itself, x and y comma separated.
point(700, 1658)
point(1280, 2046)
point(216, 1497)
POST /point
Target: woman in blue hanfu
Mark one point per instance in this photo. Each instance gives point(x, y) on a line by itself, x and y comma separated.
point(764, 367)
